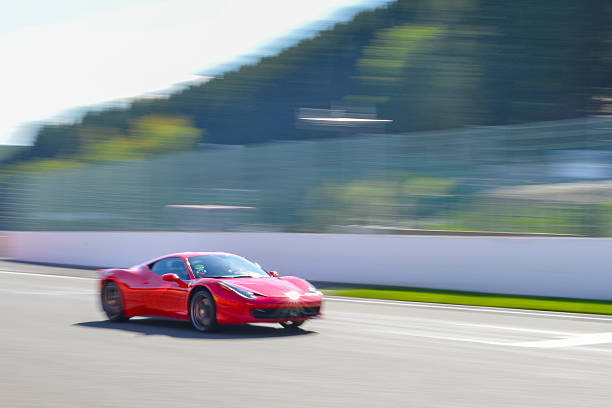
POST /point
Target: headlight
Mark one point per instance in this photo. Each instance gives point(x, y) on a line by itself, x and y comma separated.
point(313, 291)
point(242, 292)
point(293, 295)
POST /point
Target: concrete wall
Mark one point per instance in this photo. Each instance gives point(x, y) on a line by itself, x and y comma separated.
point(568, 267)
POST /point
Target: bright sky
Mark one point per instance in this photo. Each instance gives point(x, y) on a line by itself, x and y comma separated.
point(63, 54)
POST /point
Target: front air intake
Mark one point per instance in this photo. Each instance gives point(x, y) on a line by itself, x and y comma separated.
point(286, 313)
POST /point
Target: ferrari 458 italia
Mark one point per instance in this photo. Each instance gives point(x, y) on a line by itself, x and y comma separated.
point(209, 289)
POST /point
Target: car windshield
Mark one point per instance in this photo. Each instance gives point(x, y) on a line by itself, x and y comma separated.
point(224, 266)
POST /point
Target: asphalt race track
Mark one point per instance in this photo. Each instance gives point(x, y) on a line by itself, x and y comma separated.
point(57, 350)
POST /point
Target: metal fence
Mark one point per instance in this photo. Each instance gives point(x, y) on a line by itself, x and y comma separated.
point(471, 179)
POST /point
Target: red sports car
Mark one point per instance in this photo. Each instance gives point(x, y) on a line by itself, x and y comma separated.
point(209, 289)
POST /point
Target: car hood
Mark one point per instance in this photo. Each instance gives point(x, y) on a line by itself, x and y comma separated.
point(272, 287)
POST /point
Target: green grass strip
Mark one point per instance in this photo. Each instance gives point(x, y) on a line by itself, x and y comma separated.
point(475, 299)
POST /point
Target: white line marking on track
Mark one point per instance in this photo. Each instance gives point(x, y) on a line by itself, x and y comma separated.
point(444, 337)
point(578, 340)
point(47, 275)
point(513, 328)
point(587, 339)
point(527, 312)
point(48, 292)
point(426, 321)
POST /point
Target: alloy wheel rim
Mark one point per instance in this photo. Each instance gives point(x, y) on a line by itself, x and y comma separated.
point(201, 312)
point(111, 299)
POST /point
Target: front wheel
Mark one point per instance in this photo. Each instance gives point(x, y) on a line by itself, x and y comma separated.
point(292, 324)
point(112, 302)
point(203, 312)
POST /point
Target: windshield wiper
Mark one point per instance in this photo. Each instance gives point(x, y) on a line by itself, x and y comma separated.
point(228, 276)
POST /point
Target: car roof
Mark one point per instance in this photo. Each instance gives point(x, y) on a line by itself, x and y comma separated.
point(190, 254)
point(184, 255)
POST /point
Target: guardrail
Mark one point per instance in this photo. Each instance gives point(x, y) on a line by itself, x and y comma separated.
point(550, 177)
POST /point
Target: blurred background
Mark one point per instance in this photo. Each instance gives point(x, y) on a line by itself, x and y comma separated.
point(396, 117)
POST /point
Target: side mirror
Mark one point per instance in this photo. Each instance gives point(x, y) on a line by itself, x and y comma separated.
point(173, 277)
point(170, 277)
point(273, 274)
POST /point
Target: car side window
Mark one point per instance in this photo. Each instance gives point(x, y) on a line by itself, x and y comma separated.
point(171, 265)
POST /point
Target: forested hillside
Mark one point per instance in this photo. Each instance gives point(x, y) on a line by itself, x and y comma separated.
point(424, 64)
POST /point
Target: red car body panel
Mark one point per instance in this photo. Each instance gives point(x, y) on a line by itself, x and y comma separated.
point(145, 293)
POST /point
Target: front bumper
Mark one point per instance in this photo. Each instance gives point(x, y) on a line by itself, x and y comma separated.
point(268, 310)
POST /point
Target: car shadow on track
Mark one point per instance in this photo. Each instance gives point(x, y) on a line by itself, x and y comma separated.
point(184, 330)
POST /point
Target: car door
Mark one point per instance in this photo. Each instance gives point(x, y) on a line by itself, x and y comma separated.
point(169, 298)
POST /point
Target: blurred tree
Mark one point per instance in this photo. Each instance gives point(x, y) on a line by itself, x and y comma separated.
point(426, 64)
point(150, 134)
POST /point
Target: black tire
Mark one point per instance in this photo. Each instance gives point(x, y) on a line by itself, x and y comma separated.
point(112, 302)
point(203, 311)
point(292, 325)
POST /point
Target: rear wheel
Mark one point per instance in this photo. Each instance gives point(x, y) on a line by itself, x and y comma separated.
point(203, 311)
point(112, 302)
point(292, 324)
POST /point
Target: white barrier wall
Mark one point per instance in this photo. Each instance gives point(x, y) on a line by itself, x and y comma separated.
point(566, 267)
point(3, 243)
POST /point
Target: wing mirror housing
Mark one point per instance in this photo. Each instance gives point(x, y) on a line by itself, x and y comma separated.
point(170, 277)
point(273, 274)
point(173, 277)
